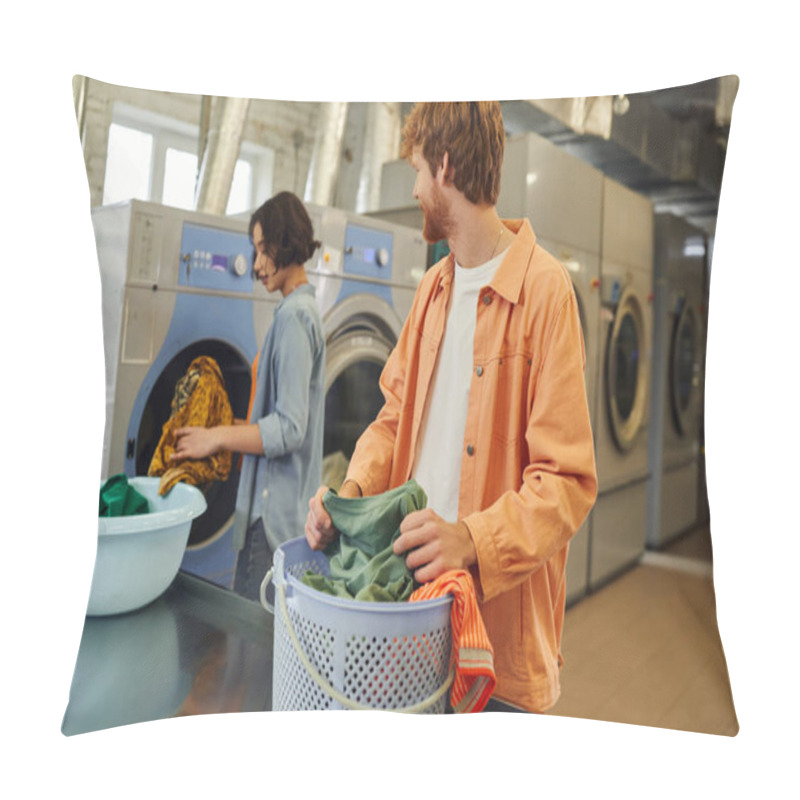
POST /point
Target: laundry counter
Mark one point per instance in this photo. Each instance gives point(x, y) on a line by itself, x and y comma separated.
point(197, 649)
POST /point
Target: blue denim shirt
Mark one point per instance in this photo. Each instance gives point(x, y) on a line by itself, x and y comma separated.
point(289, 408)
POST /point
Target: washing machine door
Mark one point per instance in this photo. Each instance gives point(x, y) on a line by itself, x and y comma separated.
point(360, 335)
point(626, 373)
point(220, 495)
point(684, 368)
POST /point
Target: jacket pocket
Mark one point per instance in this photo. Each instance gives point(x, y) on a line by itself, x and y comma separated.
point(508, 398)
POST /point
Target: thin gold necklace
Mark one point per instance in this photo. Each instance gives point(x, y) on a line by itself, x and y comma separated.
point(499, 236)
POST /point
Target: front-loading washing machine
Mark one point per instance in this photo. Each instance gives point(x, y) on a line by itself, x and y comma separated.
point(365, 275)
point(176, 285)
point(563, 198)
point(619, 518)
point(678, 347)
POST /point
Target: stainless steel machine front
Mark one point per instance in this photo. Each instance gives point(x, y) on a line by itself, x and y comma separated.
point(678, 350)
point(563, 199)
point(622, 418)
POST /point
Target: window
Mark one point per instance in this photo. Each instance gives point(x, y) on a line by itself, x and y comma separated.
point(180, 174)
point(130, 153)
point(152, 157)
point(241, 196)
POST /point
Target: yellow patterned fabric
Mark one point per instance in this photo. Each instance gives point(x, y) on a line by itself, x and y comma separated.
point(200, 400)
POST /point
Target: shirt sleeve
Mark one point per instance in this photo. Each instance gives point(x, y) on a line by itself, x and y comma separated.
point(283, 431)
point(523, 529)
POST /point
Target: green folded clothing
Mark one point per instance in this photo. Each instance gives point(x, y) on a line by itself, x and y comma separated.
point(119, 499)
point(362, 563)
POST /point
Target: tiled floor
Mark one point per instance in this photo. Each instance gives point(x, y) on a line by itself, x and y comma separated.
point(646, 649)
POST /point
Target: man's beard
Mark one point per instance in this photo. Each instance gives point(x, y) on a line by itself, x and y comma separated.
point(436, 219)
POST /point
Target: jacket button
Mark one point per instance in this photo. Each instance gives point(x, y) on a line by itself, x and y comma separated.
point(470, 450)
point(487, 298)
point(479, 371)
point(265, 493)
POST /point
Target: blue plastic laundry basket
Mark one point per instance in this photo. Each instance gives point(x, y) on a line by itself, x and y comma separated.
point(334, 653)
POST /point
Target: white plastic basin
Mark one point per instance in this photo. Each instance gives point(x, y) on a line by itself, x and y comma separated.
point(138, 556)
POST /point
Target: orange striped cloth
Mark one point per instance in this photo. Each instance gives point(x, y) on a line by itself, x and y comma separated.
point(471, 651)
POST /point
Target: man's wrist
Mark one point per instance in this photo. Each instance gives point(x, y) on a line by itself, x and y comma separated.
point(471, 552)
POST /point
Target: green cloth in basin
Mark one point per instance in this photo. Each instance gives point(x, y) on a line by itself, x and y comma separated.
point(119, 499)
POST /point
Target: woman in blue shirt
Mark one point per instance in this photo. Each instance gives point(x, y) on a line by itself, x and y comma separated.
point(282, 440)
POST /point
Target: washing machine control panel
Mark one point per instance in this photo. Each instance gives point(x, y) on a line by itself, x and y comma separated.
point(368, 253)
point(216, 259)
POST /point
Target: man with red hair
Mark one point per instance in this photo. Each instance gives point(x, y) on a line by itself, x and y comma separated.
point(485, 407)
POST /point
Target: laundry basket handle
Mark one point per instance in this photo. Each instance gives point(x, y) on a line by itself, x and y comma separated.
point(263, 592)
point(320, 680)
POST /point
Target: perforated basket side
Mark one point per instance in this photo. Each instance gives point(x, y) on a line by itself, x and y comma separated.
point(293, 688)
point(397, 672)
point(382, 655)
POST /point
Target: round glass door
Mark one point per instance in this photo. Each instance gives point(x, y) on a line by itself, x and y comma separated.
point(626, 371)
point(357, 351)
point(683, 368)
point(220, 495)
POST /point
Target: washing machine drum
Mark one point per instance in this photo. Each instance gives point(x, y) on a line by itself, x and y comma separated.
point(626, 372)
point(683, 368)
point(220, 495)
point(356, 355)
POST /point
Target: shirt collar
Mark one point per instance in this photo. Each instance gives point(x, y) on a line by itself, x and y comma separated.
point(305, 288)
point(510, 275)
point(508, 279)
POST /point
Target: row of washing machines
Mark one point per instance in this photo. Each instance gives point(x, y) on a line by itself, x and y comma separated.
point(641, 283)
point(178, 284)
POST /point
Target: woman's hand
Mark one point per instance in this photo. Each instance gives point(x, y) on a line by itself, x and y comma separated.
point(195, 444)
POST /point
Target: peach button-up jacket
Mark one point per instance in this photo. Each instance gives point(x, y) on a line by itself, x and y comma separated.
point(528, 476)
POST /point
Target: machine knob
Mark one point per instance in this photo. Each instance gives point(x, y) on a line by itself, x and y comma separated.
point(240, 265)
point(382, 257)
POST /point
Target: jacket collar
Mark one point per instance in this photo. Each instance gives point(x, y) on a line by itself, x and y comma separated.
point(304, 288)
point(510, 275)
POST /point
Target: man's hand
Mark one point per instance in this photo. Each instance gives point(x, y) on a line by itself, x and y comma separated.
point(319, 527)
point(435, 546)
point(194, 443)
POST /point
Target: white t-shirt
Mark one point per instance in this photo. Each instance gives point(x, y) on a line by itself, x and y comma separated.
point(437, 468)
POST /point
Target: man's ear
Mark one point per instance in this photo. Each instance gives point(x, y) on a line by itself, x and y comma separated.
point(445, 171)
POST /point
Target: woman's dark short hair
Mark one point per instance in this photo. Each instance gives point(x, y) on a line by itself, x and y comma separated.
point(287, 229)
